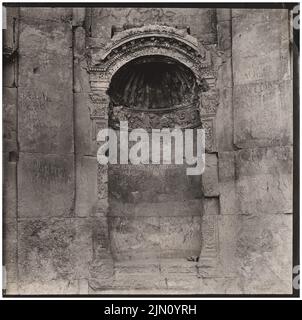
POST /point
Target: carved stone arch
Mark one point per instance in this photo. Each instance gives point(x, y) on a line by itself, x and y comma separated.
point(152, 40)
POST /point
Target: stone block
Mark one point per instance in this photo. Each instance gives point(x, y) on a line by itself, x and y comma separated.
point(185, 282)
point(211, 206)
point(53, 251)
point(45, 88)
point(9, 189)
point(256, 40)
point(84, 143)
point(227, 187)
point(9, 75)
point(226, 167)
point(223, 14)
point(224, 116)
point(134, 237)
point(9, 119)
point(86, 186)
point(180, 237)
point(156, 209)
point(10, 251)
point(45, 56)
point(10, 33)
point(228, 228)
point(81, 76)
point(51, 287)
point(264, 180)
point(11, 288)
point(224, 35)
point(45, 185)
point(263, 114)
point(264, 254)
point(155, 183)
point(210, 176)
point(46, 14)
point(45, 121)
point(78, 16)
point(221, 285)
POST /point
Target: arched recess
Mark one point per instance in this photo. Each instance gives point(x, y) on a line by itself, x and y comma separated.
point(136, 44)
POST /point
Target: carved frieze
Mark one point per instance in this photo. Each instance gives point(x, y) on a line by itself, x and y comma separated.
point(179, 117)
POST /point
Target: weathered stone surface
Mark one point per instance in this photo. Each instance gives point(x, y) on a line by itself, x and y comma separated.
point(78, 16)
point(55, 287)
point(153, 209)
point(86, 186)
point(227, 189)
point(256, 37)
point(10, 251)
point(54, 251)
point(81, 78)
point(221, 286)
point(228, 227)
point(210, 176)
point(47, 181)
point(10, 75)
point(202, 25)
point(45, 87)
point(83, 286)
point(134, 237)
point(223, 14)
point(11, 288)
point(46, 14)
point(180, 237)
point(263, 114)
point(224, 36)
point(211, 206)
point(10, 30)
point(189, 282)
point(264, 180)
point(9, 189)
point(45, 56)
point(9, 119)
point(224, 117)
point(155, 183)
point(101, 274)
point(226, 168)
point(257, 251)
point(83, 139)
point(264, 254)
point(45, 121)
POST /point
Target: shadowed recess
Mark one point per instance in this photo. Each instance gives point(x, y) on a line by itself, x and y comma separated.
point(152, 82)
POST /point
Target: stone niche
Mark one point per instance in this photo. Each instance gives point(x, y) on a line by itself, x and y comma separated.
point(155, 217)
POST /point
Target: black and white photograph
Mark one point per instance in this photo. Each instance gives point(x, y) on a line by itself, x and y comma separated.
point(150, 149)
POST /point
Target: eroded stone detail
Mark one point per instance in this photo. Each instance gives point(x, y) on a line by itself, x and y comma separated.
point(181, 117)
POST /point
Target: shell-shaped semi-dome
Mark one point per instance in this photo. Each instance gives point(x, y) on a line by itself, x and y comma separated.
point(152, 82)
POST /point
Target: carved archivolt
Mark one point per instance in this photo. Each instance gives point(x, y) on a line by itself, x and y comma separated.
point(154, 40)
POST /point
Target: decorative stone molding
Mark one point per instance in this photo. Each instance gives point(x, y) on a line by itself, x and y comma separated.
point(178, 117)
point(151, 40)
point(208, 124)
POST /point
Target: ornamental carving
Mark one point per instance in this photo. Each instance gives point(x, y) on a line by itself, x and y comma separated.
point(181, 117)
